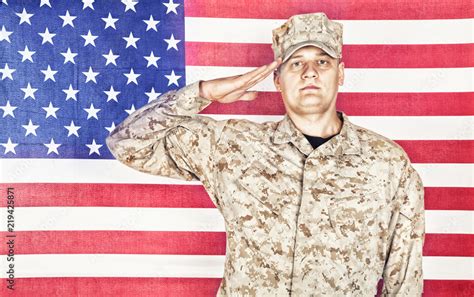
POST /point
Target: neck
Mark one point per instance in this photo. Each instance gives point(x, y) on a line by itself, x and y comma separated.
point(322, 125)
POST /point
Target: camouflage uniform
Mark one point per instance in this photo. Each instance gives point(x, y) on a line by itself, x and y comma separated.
point(300, 221)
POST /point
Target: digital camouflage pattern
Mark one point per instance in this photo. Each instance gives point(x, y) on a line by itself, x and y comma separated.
point(307, 29)
point(329, 221)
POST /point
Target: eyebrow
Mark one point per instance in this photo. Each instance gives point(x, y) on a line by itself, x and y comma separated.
point(300, 56)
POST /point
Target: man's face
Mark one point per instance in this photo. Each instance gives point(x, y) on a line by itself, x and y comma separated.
point(309, 65)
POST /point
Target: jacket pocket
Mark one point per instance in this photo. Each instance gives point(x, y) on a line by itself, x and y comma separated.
point(351, 216)
point(270, 185)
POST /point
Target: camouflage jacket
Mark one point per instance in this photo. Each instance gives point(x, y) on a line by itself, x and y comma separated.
point(299, 221)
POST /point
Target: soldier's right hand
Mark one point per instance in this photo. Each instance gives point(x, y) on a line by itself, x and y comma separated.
point(234, 88)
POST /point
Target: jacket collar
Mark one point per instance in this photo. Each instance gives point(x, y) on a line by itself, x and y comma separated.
point(346, 142)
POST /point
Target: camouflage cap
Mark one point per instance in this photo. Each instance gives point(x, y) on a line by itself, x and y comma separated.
point(307, 29)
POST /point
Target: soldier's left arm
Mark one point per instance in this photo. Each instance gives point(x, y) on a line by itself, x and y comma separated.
point(403, 272)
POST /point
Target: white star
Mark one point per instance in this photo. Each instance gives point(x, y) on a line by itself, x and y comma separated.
point(7, 72)
point(92, 112)
point(24, 17)
point(8, 109)
point(26, 54)
point(151, 60)
point(131, 110)
point(90, 75)
point(88, 3)
point(4, 34)
point(132, 77)
point(72, 129)
point(151, 24)
point(52, 147)
point(131, 41)
point(89, 39)
point(69, 56)
point(112, 94)
point(172, 43)
point(29, 91)
point(51, 110)
point(30, 128)
point(109, 21)
point(152, 95)
point(47, 36)
point(5, 2)
point(45, 2)
point(94, 147)
point(111, 58)
point(130, 4)
point(49, 74)
point(67, 19)
point(172, 78)
point(70, 93)
point(111, 128)
point(9, 146)
point(170, 6)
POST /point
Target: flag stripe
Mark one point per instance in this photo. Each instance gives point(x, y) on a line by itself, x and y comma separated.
point(111, 171)
point(178, 219)
point(180, 243)
point(362, 104)
point(397, 128)
point(363, 80)
point(341, 9)
point(248, 30)
point(201, 266)
point(174, 196)
point(354, 56)
point(184, 287)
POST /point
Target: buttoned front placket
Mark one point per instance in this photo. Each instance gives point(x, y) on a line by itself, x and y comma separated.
point(313, 214)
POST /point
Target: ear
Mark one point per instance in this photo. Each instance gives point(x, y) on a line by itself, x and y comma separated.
point(340, 79)
point(276, 80)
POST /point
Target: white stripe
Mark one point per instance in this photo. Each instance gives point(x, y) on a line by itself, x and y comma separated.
point(448, 268)
point(365, 80)
point(395, 127)
point(177, 219)
point(239, 30)
point(449, 221)
point(199, 266)
point(112, 171)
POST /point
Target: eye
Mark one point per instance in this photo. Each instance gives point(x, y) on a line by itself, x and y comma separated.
point(323, 62)
point(297, 63)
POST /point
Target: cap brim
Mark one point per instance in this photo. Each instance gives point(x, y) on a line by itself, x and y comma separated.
point(292, 49)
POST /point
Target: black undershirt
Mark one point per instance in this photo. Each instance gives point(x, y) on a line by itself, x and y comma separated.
point(316, 140)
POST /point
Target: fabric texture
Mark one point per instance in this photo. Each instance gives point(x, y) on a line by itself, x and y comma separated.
point(299, 221)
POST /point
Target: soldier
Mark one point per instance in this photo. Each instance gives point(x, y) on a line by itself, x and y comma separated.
point(313, 204)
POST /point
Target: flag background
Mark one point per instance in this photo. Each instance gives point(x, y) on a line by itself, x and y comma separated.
point(86, 225)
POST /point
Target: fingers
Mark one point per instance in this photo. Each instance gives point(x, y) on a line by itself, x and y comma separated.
point(249, 79)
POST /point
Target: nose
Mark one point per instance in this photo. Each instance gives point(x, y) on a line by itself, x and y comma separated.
point(310, 71)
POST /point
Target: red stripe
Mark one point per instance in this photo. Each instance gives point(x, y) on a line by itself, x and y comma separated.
point(448, 288)
point(362, 104)
point(179, 243)
point(118, 242)
point(449, 198)
point(184, 287)
point(439, 151)
point(449, 245)
point(354, 56)
point(187, 196)
point(113, 286)
point(335, 9)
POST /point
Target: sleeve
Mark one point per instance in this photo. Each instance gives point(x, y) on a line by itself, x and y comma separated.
point(166, 137)
point(403, 272)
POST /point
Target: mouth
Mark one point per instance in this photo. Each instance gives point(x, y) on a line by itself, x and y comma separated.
point(310, 88)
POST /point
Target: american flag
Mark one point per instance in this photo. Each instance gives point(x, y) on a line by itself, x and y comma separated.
point(86, 225)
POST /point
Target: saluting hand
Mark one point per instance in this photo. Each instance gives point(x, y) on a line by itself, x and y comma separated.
point(234, 88)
